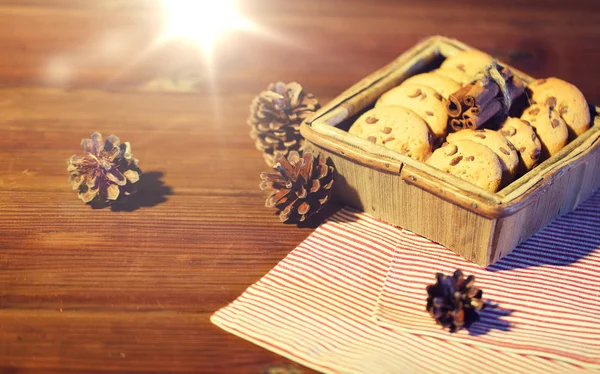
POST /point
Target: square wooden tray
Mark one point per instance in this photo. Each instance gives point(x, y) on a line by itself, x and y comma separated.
point(477, 224)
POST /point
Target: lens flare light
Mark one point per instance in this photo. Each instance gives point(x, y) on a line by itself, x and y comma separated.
point(202, 21)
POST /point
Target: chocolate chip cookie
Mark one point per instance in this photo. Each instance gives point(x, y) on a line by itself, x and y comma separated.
point(549, 127)
point(509, 159)
point(566, 99)
point(471, 161)
point(424, 101)
point(396, 128)
point(443, 85)
point(522, 136)
point(456, 75)
point(469, 63)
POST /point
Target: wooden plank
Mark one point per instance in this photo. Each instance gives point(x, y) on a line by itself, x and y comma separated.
point(136, 288)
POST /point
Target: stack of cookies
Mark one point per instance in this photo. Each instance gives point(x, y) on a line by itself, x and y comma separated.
point(412, 119)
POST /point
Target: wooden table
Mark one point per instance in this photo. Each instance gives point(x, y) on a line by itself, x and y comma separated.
point(132, 290)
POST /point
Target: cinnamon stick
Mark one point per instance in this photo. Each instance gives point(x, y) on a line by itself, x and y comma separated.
point(476, 103)
point(485, 90)
point(491, 109)
point(516, 88)
point(454, 106)
point(471, 112)
point(480, 94)
point(457, 124)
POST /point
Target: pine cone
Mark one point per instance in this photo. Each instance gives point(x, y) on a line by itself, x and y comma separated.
point(275, 117)
point(454, 301)
point(300, 188)
point(104, 170)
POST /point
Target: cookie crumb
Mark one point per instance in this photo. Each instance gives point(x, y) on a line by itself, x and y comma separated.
point(504, 150)
point(438, 96)
point(423, 96)
point(372, 139)
point(429, 113)
point(470, 158)
point(534, 112)
point(555, 123)
point(386, 130)
point(482, 136)
point(388, 139)
point(371, 120)
point(461, 67)
point(522, 150)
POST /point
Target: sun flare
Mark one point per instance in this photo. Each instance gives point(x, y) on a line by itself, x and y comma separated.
point(202, 21)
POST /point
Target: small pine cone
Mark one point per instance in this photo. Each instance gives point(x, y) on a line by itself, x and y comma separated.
point(105, 171)
point(301, 186)
point(454, 301)
point(275, 117)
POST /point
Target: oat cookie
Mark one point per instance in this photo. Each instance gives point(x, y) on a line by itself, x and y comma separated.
point(421, 100)
point(443, 85)
point(523, 137)
point(471, 161)
point(468, 62)
point(396, 128)
point(566, 99)
point(549, 127)
point(509, 159)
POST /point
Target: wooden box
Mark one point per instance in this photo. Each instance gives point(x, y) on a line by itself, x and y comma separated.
point(477, 224)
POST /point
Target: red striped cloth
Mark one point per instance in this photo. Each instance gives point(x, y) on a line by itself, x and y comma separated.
point(547, 291)
point(317, 305)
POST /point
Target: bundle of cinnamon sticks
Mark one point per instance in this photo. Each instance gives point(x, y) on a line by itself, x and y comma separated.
point(475, 104)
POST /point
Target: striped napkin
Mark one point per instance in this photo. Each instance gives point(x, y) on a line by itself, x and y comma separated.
point(545, 295)
point(317, 306)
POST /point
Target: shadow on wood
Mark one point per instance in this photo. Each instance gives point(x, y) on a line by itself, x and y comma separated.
point(151, 192)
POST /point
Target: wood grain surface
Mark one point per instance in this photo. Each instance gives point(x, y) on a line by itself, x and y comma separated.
point(131, 289)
